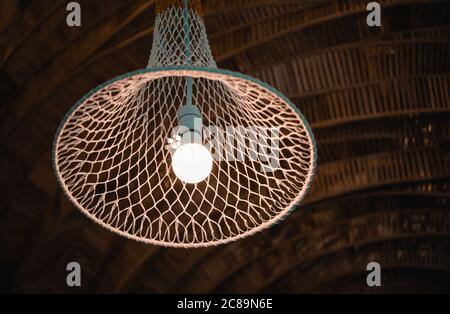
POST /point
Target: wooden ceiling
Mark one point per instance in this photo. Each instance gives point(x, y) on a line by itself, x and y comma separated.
point(377, 99)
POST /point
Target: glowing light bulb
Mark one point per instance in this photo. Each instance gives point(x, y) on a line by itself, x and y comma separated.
point(192, 163)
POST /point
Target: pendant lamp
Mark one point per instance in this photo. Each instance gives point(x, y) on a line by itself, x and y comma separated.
point(184, 154)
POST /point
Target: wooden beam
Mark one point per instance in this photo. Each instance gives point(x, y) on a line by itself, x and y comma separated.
point(398, 253)
point(54, 73)
point(355, 232)
point(14, 32)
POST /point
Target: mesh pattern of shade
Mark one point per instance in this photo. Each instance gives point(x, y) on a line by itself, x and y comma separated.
point(111, 156)
point(169, 46)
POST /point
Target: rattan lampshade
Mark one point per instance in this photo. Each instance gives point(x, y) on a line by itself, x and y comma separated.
point(113, 153)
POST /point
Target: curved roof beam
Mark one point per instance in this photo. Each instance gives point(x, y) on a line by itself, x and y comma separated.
point(356, 232)
point(391, 254)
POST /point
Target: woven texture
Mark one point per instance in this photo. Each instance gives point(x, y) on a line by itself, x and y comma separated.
point(170, 47)
point(112, 159)
point(163, 5)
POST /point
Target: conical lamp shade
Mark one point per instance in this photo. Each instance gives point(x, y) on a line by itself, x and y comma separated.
point(113, 154)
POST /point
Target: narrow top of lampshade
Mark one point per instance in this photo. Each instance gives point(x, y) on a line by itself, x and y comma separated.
point(180, 37)
point(163, 5)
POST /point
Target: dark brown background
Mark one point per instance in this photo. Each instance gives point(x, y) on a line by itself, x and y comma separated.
point(378, 102)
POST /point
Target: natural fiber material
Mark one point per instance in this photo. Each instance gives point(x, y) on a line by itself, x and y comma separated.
point(112, 158)
point(163, 5)
point(180, 39)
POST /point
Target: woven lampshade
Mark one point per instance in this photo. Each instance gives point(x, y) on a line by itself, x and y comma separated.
point(113, 156)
